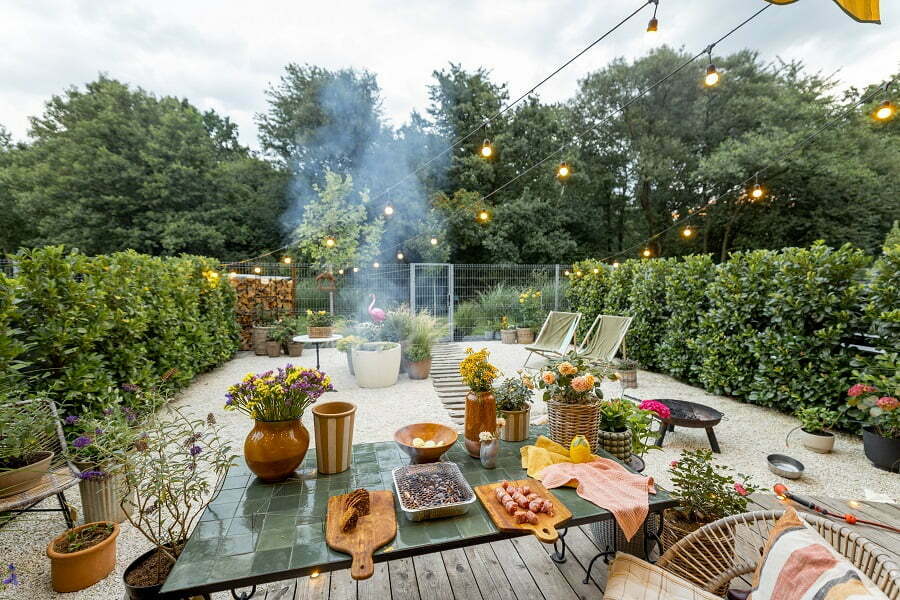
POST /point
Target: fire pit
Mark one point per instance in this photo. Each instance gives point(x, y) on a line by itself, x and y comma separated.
point(691, 415)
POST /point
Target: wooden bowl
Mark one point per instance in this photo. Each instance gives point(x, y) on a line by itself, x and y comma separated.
point(443, 436)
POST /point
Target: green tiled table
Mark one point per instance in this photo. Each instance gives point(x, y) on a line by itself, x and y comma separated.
point(255, 533)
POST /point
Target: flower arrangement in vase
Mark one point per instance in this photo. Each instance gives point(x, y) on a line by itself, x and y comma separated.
point(319, 323)
point(513, 398)
point(276, 401)
point(481, 409)
point(571, 389)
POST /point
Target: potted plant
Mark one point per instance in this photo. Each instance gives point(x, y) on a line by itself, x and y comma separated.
point(614, 435)
point(177, 465)
point(626, 369)
point(481, 410)
point(814, 424)
point(273, 342)
point(513, 398)
point(507, 331)
point(82, 556)
point(530, 315)
point(397, 327)
point(346, 345)
point(879, 411)
point(376, 364)
point(284, 332)
point(423, 334)
point(641, 425)
point(263, 321)
point(276, 401)
point(319, 323)
point(26, 427)
point(571, 389)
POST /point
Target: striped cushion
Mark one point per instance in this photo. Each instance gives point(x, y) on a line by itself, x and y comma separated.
point(631, 578)
point(798, 564)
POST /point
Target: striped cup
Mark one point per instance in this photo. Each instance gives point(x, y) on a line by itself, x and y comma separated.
point(333, 424)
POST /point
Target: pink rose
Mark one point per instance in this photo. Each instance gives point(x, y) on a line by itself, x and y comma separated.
point(887, 403)
point(673, 464)
point(859, 389)
point(658, 407)
point(740, 489)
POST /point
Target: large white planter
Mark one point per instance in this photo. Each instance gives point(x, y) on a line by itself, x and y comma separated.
point(376, 364)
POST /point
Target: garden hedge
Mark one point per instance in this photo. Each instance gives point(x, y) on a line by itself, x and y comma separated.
point(768, 327)
point(91, 324)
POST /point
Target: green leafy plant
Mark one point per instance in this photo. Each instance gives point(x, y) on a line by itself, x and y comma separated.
point(286, 329)
point(319, 318)
point(347, 343)
point(424, 332)
point(531, 308)
point(264, 317)
point(625, 364)
point(678, 352)
point(465, 318)
point(816, 419)
point(587, 293)
point(513, 393)
point(616, 414)
point(397, 325)
point(84, 538)
point(26, 428)
point(706, 491)
point(877, 408)
point(649, 314)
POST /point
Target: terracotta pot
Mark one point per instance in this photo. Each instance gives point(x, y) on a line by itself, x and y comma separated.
point(333, 424)
point(273, 349)
point(101, 498)
point(77, 570)
point(883, 452)
point(18, 480)
point(508, 336)
point(319, 332)
point(525, 335)
point(821, 442)
point(617, 443)
point(565, 421)
point(258, 337)
point(294, 349)
point(419, 370)
point(481, 415)
point(516, 427)
point(274, 449)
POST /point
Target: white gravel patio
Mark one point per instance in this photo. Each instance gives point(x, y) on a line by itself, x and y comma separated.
point(746, 436)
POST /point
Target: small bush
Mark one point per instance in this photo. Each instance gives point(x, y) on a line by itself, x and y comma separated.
point(587, 293)
point(465, 317)
point(649, 309)
point(678, 353)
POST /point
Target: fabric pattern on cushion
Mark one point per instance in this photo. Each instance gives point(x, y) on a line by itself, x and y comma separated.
point(631, 578)
point(798, 564)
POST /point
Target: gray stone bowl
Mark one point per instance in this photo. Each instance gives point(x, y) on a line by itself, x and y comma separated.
point(785, 466)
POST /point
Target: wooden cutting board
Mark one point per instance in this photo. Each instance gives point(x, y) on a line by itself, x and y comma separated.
point(371, 532)
point(545, 529)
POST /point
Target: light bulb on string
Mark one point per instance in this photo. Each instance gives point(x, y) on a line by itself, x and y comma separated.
point(356, 269)
point(340, 271)
point(487, 150)
point(653, 25)
point(595, 271)
point(615, 264)
point(647, 253)
point(484, 216)
point(687, 232)
point(376, 265)
point(885, 111)
point(434, 241)
point(563, 170)
point(330, 242)
point(712, 75)
point(286, 260)
point(399, 256)
point(388, 210)
point(757, 192)
point(257, 270)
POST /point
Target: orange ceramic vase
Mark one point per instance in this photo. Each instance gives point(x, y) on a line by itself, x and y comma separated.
point(274, 449)
point(481, 415)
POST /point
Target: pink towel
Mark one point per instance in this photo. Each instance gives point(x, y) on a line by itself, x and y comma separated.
point(609, 485)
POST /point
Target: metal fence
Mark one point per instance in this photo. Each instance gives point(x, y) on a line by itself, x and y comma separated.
point(471, 298)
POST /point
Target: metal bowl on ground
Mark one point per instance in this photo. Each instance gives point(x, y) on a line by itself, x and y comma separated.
point(442, 436)
point(785, 466)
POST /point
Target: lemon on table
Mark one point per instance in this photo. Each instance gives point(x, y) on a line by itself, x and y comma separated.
point(430, 444)
point(579, 449)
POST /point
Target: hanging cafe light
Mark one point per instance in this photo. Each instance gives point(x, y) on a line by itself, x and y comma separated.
point(757, 192)
point(434, 241)
point(687, 232)
point(712, 75)
point(653, 25)
point(647, 253)
point(563, 170)
point(329, 241)
point(484, 216)
point(286, 260)
point(487, 150)
point(257, 270)
point(885, 111)
point(399, 256)
point(388, 210)
point(376, 265)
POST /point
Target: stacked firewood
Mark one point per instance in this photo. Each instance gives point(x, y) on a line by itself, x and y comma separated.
point(258, 295)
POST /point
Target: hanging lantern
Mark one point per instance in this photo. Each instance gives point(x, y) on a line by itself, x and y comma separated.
point(487, 150)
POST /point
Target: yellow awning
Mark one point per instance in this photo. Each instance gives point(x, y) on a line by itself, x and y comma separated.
point(864, 11)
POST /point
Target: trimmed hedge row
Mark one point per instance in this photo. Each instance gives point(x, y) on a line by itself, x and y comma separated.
point(766, 326)
point(83, 326)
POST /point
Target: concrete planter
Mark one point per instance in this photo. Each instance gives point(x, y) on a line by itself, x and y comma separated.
point(376, 364)
point(821, 442)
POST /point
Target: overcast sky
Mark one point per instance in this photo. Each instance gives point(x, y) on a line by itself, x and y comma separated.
point(222, 54)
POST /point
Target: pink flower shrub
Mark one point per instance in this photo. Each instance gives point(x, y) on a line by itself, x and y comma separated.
point(740, 489)
point(658, 407)
point(674, 463)
point(859, 389)
point(887, 403)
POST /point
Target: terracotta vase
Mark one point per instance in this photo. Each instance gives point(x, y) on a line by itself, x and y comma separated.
point(24, 478)
point(77, 570)
point(419, 370)
point(274, 449)
point(333, 425)
point(481, 415)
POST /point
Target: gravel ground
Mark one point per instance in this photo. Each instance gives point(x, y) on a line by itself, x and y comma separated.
point(747, 435)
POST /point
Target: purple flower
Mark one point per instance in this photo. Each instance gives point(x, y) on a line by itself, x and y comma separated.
point(195, 450)
point(82, 441)
point(98, 431)
point(71, 420)
point(130, 387)
point(91, 475)
point(11, 578)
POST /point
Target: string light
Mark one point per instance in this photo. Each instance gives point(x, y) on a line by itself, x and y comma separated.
point(330, 242)
point(399, 256)
point(596, 271)
point(687, 232)
point(615, 264)
point(257, 270)
point(232, 274)
point(286, 260)
point(653, 25)
point(434, 241)
point(757, 192)
point(487, 149)
point(340, 271)
point(566, 273)
point(356, 269)
point(577, 273)
point(563, 170)
point(376, 265)
point(484, 216)
point(712, 76)
point(388, 210)
point(647, 253)
point(885, 111)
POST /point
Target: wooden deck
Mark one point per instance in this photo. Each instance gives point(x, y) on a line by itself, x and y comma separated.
point(519, 569)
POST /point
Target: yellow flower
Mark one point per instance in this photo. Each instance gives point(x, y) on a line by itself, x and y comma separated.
point(591, 380)
point(247, 377)
point(538, 294)
point(549, 377)
point(566, 368)
point(309, 311)
point(521, 301)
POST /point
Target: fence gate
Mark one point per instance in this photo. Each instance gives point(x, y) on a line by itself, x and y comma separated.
point(431, 289)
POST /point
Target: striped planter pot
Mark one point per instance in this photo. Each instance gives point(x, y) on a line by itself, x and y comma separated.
point(100, 498)
point(333, 424)
point(516, 427)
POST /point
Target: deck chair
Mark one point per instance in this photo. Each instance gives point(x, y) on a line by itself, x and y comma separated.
point(602, 340)
point(555, 336)
point(61, 476)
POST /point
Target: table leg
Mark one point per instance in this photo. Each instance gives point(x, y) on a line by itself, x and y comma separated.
point(559, 556)
point(245, 595)
point(652, 538)
point(317, 357)
point(713, 442)
point(605, 554)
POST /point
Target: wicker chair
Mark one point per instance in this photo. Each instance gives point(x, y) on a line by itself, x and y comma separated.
point(62, 476)
point(715, 554)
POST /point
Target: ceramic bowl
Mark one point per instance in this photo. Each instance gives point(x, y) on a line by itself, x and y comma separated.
point(785, 466)
point(443, 436)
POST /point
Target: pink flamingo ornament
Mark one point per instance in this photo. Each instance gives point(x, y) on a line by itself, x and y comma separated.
point(377, 314)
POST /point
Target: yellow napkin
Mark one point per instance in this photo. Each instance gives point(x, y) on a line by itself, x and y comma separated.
point(544, 453)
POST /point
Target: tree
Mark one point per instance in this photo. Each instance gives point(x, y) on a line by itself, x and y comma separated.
point(335, 231)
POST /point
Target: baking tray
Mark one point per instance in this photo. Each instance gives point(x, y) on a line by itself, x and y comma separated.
point(441, 510)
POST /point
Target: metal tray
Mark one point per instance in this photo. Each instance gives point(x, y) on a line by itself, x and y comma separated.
point(440, 510)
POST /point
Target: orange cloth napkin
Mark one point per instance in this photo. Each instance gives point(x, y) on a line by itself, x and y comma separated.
point(609, 485)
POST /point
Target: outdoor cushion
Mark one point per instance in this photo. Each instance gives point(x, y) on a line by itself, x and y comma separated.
point(798, 564)
point(631, 578)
